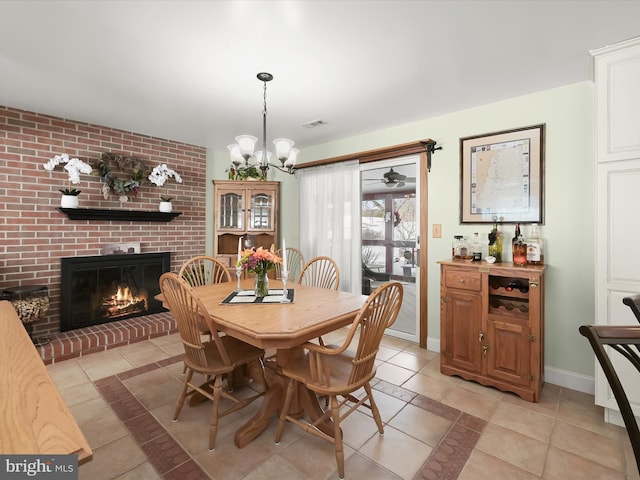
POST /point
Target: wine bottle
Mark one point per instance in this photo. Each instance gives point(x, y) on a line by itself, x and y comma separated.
point(495, 243)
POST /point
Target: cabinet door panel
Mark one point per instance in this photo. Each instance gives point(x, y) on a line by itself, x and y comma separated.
point(260, 211)
point(509, 352)
point(230, 211)
point(462, 313)
point(617, 73)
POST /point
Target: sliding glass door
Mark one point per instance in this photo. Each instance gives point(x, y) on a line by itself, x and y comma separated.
point(390, 226)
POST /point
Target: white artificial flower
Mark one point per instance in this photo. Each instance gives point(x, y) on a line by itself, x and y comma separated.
point(161, 173)
point(74, 166)
point(55, 161)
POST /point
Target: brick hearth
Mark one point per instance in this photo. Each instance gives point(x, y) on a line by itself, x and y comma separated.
point(98, 338)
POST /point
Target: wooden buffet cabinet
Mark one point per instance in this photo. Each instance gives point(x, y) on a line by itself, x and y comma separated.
point(248, 209)
point(492, 325)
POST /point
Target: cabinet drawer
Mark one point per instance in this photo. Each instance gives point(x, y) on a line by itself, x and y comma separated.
point(462, 278)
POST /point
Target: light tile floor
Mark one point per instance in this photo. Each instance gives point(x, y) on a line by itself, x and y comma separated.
point(486, 434)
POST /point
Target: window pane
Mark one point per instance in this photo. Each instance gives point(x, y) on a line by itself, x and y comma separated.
point(373, 220)
point(374, 257)
point(404, 219)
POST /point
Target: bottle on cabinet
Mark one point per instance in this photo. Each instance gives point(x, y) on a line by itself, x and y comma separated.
point(461, 249)
point(519, 248)
point(495, 243)
point(535, 253)
point(476, 248)
point(455, 245)
point(516, 234)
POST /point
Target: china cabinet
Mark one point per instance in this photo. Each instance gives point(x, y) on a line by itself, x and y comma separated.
point(492, 325)
point(247, 209)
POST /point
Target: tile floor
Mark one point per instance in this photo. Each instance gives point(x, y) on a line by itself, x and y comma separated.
point(436, 427)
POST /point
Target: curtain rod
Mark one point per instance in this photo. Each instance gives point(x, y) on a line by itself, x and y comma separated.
point(385, 153)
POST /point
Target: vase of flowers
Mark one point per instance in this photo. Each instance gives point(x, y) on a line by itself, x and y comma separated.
point(74, 168)
point(259, 262)
point(159, 176)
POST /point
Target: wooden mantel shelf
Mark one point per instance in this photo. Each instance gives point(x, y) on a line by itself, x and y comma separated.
point(118, 215)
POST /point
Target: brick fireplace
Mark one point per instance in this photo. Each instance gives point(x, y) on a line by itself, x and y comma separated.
point(108, 288)
point(35, 236)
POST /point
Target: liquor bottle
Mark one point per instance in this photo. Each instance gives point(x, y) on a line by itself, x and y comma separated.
point(516, 234)
point(518, 248)
point(455, 246)
point(476, 248)
point(535, 252)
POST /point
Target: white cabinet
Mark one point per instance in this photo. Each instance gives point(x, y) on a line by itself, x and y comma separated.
point(617, 88)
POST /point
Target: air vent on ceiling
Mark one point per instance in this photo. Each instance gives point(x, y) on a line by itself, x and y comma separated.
point(314, 123)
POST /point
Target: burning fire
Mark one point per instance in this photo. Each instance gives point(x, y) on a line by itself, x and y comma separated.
point(124, 303)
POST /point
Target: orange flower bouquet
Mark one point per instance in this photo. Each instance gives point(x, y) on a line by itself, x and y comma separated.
point(259, 262)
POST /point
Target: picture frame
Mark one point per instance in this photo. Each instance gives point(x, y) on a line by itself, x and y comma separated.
point(502, 176)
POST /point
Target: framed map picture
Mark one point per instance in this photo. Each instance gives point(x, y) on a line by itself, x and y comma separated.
point(501, 176)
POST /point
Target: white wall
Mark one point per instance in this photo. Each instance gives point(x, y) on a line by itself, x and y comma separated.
point(568, 229)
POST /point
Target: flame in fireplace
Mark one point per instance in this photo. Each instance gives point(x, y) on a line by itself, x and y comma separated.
point(123, 302)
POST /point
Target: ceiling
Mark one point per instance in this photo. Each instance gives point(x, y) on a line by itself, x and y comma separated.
point(186, 70)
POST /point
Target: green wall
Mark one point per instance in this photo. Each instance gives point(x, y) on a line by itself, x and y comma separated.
point(568, 230)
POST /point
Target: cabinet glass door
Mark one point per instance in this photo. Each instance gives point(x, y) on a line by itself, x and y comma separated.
point(231, 213)
point(261, 217)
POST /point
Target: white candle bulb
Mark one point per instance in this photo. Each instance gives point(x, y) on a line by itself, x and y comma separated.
point(239, 248)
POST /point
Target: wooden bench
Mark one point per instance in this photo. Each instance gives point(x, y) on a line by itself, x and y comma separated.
point(33, 416)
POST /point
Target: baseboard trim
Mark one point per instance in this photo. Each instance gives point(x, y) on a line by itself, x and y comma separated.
point(556, 376)
point(572, 380)
point(433, 344)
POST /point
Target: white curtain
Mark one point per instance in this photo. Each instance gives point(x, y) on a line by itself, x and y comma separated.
point(330, 218)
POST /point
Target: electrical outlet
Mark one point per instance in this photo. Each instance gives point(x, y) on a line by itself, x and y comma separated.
point(437, 230)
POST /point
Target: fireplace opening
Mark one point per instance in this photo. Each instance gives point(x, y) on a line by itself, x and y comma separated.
point(108, 288)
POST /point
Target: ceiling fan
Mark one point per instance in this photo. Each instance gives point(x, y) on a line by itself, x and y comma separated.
point(393, 179)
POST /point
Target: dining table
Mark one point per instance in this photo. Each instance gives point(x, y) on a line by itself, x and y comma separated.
point(283, 327)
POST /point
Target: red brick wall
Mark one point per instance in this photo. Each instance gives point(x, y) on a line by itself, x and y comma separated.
point(34, 235)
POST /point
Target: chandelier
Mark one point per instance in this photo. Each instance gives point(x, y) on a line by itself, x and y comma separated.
point(243, 155)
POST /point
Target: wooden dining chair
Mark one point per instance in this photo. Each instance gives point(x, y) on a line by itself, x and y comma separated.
point(321, 272)
point(204, 270)
point(340, 371)
point(295, 262)
point(213, 359)
point(624, 340)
